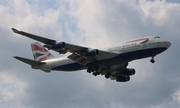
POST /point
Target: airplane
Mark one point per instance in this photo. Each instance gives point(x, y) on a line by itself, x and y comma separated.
point(111, 62)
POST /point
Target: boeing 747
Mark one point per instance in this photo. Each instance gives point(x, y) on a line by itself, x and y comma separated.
point(111, 62)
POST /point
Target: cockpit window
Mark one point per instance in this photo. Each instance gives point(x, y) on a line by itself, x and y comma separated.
point(157, 37)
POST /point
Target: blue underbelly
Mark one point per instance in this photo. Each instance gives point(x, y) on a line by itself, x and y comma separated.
point(122, 58)
point(129, 56)
point(70, 67)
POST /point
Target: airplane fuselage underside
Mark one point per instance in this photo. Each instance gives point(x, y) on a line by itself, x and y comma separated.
point(121, 58)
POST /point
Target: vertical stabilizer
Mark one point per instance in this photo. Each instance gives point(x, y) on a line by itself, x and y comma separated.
point(40, 53)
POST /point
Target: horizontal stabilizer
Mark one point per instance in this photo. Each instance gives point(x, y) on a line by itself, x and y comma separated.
point(30, 62)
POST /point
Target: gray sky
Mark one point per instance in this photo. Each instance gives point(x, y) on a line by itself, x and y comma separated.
point(96, 24)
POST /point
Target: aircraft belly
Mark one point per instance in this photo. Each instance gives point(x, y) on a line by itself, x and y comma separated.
point(129, 56)
point(69, 67)
point(122, 58)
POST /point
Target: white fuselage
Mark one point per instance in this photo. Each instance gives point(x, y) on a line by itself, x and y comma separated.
point(128, 51)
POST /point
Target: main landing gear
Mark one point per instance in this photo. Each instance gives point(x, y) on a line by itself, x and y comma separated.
point(93, 69)
point(107, 75)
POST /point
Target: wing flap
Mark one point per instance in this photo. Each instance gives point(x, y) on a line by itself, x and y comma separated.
point(75, 48)
point(78, 58)
point(28, 61)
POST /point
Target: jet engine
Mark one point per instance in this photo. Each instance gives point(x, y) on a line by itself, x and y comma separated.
point(59, 45)
point(128, 72)
point(122, 78)
point(92, 52)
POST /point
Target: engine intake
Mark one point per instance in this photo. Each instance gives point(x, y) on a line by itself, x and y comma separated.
point(128, 72)
point(59, 45)
point(122, 78)
point(92, 52)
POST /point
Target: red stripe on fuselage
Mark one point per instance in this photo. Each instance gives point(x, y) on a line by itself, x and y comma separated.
point(142, 39)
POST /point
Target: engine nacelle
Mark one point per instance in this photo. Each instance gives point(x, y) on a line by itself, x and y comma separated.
point(59, 45)
point(122, 78)
point(92, 52)
point(128, 72)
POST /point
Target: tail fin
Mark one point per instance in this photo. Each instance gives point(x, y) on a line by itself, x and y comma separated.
point(40, 53)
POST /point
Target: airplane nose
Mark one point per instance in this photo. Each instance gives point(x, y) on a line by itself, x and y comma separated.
point(168, 44)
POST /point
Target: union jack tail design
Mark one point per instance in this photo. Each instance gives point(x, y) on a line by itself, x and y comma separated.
point(40, 53)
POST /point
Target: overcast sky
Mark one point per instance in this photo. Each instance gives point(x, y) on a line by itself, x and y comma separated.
point(96, 24)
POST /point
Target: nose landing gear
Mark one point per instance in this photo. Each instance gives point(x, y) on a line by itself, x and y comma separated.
point(152, 60)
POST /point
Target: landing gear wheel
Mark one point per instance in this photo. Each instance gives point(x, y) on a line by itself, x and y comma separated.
point(108, 74)
point(92, 68)
point(152, 61)
point(98, 73)
point(95, 74)
point(89, 70)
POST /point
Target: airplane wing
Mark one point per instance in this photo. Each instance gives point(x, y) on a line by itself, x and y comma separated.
point(80, 54)
point(35, 37)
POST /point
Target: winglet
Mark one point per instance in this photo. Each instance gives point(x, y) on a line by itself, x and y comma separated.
point(15, 30)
